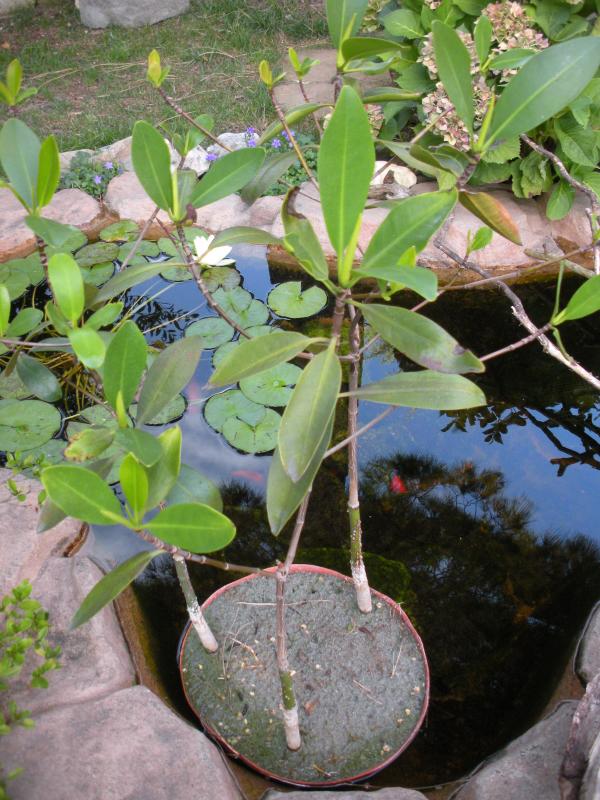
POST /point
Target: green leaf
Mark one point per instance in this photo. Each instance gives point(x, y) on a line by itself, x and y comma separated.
point(89, 442)
point(232, 403)
point(288, 300)
point(134, 483)
point(421, 280)
point(171, 371)
point(578, 143)
point(302, 241)
point(174, 410)
point(411, 223)
point(446, 179)
point(193, 526)
point(152, 164)
point(482, 34)
point(193, 487)
point(67, 285)
point(584, 302)
point(491, 211)
point(404, 23)
point(243, 235)
point(14, 77)
point(454, 68)
point(544, 86)
point(25, 424)
point(111, 586)
point(274, 166)
point(124, 364)
point(48, 171)
point(227, 175)
point(368, 47)
point(212, 331)
point(81, 494)
point(560, 201)
point(482, 239)
point(255, 355)
point(271, 387)
point(259, 438)
point(308, 412)
point(344, 18)
point(19, 157)
point(67, 238)
point(163, 474)
point(423, 390)
point(345, 168)
point(145, 447)
point(422, 340)
point(105, 316)
point(40, 381)
point(292, 117)
point(89, 347)
point(4, 309)
point(511, 59)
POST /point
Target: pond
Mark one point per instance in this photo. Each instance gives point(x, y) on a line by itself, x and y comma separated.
point(483, 524)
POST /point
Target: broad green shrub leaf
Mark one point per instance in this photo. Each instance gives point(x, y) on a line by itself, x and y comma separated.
point(482, 239)
point(547, 83)
point(152, 164)
point(40, 380)
point(560, 201)
point(163, 475)
point(124, 364)
point(411, 223)
point(482, 34)
point(145, 447)
point(98, 274)
point(123, 230)
point(25, 424)
point(454, 68)
point(67, 285)
point(212, 331)
point(421, 280)
point(97, 253)
point(274, 166)
point(221, 354)
point(423, 390)
point(19, 157)
point(301, 240)
point(105, 316)
point(584, 302)
point(193, 487)
point(227, 175)
point(193, 526)
point(67, 238)
point(81, 494)
point(404, 22)
point(292, 117)
point(244, 235)
point(171, 371)
point(511, 59)
point(232, 403)
point(271, 387)
point(134, 483)
point(423, 341)
point(130, 277)
point(89, 442)
point(345, 168)
point(368, 47)
point(308, 412)
point(283, 494)
point(16, 284)
point(110, 586)
point(259, 438)
point(48, 171)
point(491, 211)
point(255, 355)
point(344, 17)
point(288, 300)
point(173, 411)
point(89, 347)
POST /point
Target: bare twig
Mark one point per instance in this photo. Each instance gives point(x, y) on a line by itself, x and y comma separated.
point(345, 442)
point(172, 103)
point(291, 137)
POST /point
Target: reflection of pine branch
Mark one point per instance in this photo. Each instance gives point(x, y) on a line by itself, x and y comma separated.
point(587, 457)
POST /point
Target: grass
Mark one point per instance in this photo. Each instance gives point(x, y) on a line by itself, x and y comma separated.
point(92, 85)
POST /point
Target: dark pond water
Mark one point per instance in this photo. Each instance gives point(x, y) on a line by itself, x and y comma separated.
point(490, 538)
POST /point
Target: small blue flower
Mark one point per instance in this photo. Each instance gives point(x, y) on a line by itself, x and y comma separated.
point(108, 165)
point(286, 136)
point(97, 180)
point(276, 143)
point(250, 131)
point(212, 157)
point(251, 143)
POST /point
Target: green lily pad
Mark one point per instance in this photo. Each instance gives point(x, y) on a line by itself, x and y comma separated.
point(12, 387)
point(144, 248)
point(288, 300)
point(33, 267)
point(167, 247)
point(98, 274)
point(272, 386)
point(176, 274)
point(73, 242)
point(193, 487)
point(51, 452)
point(99, 415)
point(97, 253)
point(232, 403)
point(213, 330)
point(259, 438)
point(170, 413)
point(191, 233)
point(254, 316)
point(221, 277)
point(260, 330)
point(16, 282)
point(27, 424)
point(232, 301)
point(122, 231)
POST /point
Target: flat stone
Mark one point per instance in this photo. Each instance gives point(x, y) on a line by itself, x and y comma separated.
point(95, 659)
point(585, 731)
point(126, 198)
point(529, 767)
point(118, 152)
point(70, 206)
point(590, 788)
point(129, 13)
point(196, 159)
point(382, 794)
point(67, 157)
point(232, 141)
point(587, 658)
point(226, 213)
point(23, 551)
point(127, 746)
point(264, 212)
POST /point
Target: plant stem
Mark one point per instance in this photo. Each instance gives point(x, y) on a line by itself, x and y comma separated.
point(291, 138)
point(195, 614)
point(42, 252)
point(172, 103)
point(307, 99)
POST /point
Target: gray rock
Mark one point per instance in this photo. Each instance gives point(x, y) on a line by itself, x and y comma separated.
point(225, 213)
point(23, 551)
point(7, 6)
point(587, 658)
point(590, 788)
point(118, 152)
point(585, 730)
point(196, 159)
point(68, 156)
point(234, 141)
point(130, 14)
point(127, 746)
point(126, 198)
point(382, 794)
point(528, 768)
point(95, 659)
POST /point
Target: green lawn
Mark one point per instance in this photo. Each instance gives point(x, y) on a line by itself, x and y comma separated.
point(92, 85)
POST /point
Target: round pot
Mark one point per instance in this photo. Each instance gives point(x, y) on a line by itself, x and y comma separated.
point(361, 681)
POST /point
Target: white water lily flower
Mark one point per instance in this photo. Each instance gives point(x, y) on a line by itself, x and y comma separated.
point(215, 257)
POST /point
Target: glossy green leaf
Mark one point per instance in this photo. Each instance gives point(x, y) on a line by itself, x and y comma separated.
point(4, 309)
point(144, 446)
point(453, 64)
point(292, 117)
point(152, 164)
point(490, 210)
point(163, 474)
point(89, 347)
point(259, 438)
point(48, 171)
point(422, 340)
point(193, 487)
point(111, 586)
point(560, 201)
point(67, 285)
point(482, 238)
point(81, 494)
point(308, 412)
point(404, 22)
point(255, 355)
point(19, 157)
point(56, 234)
point(134, 483)
point(124, 364)
point(423, 390)
point(25, 424)
point(89, 442)
point(174, 410)
point(584, 302)
point(547, 83)
point(511, 59)
point(482, 34)
point(244, 235)
point(232, 403)
point(302, 241)
point(344, 17)
point(227, 175)
point(272, 386)
point(40, 380)
point(171, 371)
point(421, 280)
point(221, 278)
point(193, 526)
point(288, 300)
point(274, 166)
point(97, 253)
point(212, 331)
point(345, 168)
point(368, 47)
point(105, 316)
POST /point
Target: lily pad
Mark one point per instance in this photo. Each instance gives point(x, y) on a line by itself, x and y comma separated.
point(12, 387)
point(254, 316)
point(272, 386)
point(27, 424)
point(221, 277)
point(232, 301)
point(259, 438)
point(176, 274)
point(213, 330)
point(288, 300)
point(16, 282)
point(71, 243)
point(193, 487)
point(99, 415)
point(191, 233)
point(97, 253)
point(144, 248)
point(122, 231)
point(98, 274)
point(170, 413)
point(229, 404)
point(167, 247)
point(49, 453)
point(33, 267)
